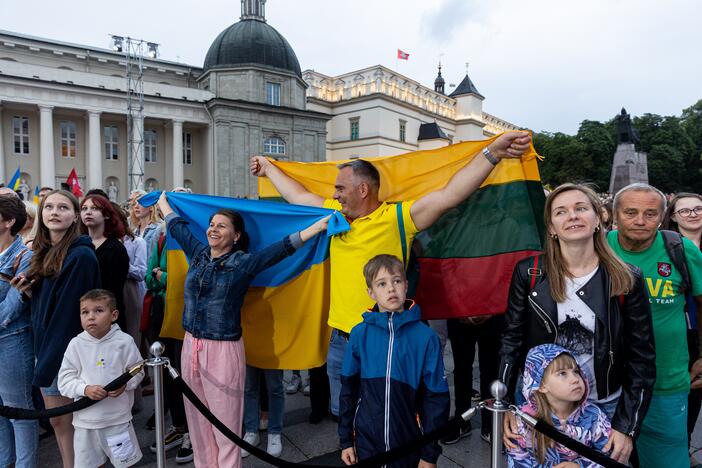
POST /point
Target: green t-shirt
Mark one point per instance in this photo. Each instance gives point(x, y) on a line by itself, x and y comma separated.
point(662, 281)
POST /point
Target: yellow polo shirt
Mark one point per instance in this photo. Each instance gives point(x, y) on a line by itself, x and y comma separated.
point(371, 235)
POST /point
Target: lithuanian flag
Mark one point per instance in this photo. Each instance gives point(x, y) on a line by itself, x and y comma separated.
point(462, 264)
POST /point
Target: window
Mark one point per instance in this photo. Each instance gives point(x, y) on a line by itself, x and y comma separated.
point(274, 145)
point(68, 139)
point(403, 130)
point(187, 148)
point(354, 129)
point(111, 143)
point(273, 94)
point(150, 146)
point(20, 132)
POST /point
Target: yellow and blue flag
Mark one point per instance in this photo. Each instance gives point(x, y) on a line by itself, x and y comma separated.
point(15, 181)
point(36, 195)
point(284, 316)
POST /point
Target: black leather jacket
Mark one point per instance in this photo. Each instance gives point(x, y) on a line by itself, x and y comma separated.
point(624, 347)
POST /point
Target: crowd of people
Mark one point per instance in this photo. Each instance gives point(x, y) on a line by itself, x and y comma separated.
point(599, 338)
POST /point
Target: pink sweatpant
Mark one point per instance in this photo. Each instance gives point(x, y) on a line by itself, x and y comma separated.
point(216, 371)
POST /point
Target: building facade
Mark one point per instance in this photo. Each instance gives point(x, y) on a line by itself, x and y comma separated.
point(64, 106)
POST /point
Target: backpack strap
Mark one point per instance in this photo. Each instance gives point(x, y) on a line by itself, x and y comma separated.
point(161, 243)
point(674, 246)
point(534, 272)
point(401, 226)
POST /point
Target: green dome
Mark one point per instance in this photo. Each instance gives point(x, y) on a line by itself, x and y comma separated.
point(251, 42)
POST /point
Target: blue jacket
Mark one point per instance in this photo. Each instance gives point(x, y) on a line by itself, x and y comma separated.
point(14, 312)
point(393, 371)
point(56, 308)
point(215, 288)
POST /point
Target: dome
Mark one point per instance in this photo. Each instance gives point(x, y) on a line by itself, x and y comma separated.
point(251, 42)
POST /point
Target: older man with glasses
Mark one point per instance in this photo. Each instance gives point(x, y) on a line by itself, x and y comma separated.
point(638, 211)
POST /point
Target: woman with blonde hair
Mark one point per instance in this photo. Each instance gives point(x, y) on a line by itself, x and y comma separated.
point(580, 295)
point(29, 231)
point(145, 221)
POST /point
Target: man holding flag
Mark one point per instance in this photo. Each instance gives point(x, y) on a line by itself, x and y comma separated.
point(378, 228)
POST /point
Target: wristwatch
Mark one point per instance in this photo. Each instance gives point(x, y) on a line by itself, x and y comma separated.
point(488, 155)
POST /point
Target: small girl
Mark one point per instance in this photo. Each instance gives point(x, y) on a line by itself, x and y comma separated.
point(556, 392)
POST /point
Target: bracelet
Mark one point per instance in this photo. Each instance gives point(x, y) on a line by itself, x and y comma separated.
point(488, 155)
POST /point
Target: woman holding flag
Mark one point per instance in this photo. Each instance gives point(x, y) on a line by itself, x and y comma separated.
point(213, 361)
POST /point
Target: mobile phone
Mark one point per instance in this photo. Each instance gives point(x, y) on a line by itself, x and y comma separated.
point(6, 276)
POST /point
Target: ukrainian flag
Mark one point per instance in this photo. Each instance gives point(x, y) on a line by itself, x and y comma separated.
point(15, 181)
point(36, 195)
point(285, 311)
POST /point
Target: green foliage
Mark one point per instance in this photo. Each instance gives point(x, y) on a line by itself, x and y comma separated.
point(673, 145)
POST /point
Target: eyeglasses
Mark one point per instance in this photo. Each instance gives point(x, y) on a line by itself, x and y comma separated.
point(688, 212)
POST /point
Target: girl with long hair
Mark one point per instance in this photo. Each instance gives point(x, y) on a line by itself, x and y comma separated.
point(580, 295)
point(62, 269)
point(104, 226)
point(556, 390)
point(684, 215)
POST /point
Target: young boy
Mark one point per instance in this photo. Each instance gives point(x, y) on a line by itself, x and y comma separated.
point(93, 359)
point(393, 372)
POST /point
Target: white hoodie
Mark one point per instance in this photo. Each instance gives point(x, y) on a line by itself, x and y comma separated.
point(89, 361)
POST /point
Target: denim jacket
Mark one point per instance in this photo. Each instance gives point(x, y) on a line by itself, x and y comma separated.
point(215, 287)
point(14, 313)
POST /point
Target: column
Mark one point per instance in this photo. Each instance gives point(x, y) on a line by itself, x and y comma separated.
point(47, 166)
point(136, 165)
point(177, 153)
point(2, 149)
point(208, 166)
point(94, 156)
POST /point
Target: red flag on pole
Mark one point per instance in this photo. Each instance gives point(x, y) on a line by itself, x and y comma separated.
point(402, 55)
point(72, 182)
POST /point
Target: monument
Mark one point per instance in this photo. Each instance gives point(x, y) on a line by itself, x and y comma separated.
point(629, 166)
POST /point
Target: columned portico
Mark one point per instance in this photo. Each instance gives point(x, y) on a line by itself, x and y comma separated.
point(47, 166)
point(177, 153)
point(94, 159)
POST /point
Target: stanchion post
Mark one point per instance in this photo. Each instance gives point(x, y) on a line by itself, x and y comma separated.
point(498, 391)
point(156, 363)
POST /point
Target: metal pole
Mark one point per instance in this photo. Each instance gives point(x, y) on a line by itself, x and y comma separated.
point(498, 390)
point(156, 363)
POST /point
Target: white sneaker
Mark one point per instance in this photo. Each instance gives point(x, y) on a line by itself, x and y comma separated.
point(294, 385)
point(275, 445)
point(253, 439)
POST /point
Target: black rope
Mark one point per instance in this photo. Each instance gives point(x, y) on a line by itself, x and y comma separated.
point(22, 413)
point(582, 449)
point(397, 452)
point(375, 461)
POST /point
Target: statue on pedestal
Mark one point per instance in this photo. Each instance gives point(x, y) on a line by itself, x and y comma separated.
point(24, 189)
point(112, 191)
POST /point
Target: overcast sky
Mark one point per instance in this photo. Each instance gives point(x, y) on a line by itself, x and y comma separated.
point(542, 64)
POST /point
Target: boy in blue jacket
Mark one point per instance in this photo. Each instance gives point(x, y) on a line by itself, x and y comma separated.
point(393, 386)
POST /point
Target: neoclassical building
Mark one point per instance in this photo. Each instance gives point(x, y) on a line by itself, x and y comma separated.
point(64, 106)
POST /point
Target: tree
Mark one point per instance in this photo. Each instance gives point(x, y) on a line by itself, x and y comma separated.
point(600, 146)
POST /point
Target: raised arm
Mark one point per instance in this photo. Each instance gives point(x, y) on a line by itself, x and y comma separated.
point(426, 210)
point(179, 229)
point(289, 188)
